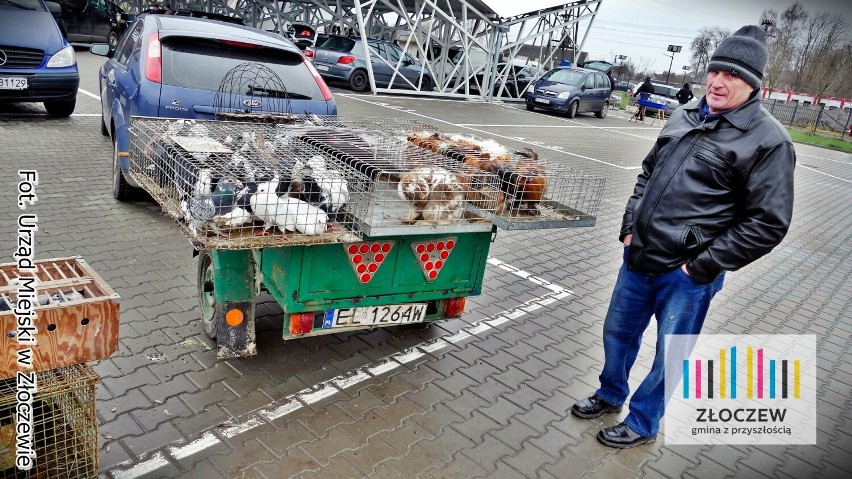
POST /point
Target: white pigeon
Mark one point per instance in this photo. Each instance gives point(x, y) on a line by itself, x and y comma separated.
point(335, 190)
point(302, 216)
point(202, 188)
point(265, 205)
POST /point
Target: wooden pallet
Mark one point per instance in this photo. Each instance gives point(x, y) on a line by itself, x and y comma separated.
point(78, 322)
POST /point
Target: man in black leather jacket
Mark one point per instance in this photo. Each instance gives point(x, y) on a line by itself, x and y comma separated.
point(715, 194)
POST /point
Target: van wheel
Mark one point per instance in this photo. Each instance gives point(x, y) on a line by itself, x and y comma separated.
point(112, 39)
point(604, 109)
point(426, 84)
point(572, 109)
point(60, 109)
point(530, 106)
point(359, 81)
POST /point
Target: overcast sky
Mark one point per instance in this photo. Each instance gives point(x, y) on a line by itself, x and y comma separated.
point(645, 28)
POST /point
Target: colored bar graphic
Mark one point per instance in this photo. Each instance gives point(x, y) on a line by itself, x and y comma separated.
point(796, 371)
point(783, 379)
point(686, 379)
point(734, 372)
point(710, 378)
point(722, 377)
point(697, 379)
point(749, 374)
point(771, 379)
point(760, 373)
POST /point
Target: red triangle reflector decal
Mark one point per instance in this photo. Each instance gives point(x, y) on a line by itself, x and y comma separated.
point(432, 255)
point(366, 257)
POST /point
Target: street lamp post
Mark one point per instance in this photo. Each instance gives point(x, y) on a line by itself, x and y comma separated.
point(686, 68)
point(674, 49)
point(619, 60)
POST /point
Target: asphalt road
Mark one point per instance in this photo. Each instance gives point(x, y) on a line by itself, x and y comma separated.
point(491, 401)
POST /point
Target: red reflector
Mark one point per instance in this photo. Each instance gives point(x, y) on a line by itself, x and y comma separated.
point(357, 259)
point(429, 265)
point(375, 248)
point(301, 323)
point(154, 60)
point(451, 244)
point(421, 248)
point(353, 248)
point(444, 254)
point(361, 268)
point(380, 257)
point(439, 264)
point(430, 247)
point(372, 268)
point(453, 307)
point(424, 257)
point(366, 258)
point(309, 53)
point(386, 247)
point(365, 248)
point(440, 245)
point(433, 274)
point(345, 59)
point(365, 278)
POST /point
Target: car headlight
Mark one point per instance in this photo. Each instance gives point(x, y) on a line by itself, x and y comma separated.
point(563, 95)
point(63, 58)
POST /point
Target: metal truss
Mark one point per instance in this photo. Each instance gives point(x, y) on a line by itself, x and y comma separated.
point(470, 51)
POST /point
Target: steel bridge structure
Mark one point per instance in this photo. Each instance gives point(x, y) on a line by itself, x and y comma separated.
point(471, 47)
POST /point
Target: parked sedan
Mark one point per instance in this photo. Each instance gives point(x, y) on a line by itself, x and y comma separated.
point(340, 58)
point(570, 90)
point(172, 66)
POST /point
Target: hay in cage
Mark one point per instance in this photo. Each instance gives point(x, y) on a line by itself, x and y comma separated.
point(64, 421)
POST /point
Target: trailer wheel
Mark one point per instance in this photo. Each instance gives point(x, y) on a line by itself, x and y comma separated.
point(211, 313)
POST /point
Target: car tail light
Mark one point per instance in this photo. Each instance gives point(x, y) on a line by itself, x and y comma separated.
point(231, 43)
point(346, 59)
point(309, 53)
point(326, 93)
point(301, 323)
point(154, 60)
point(453, 307)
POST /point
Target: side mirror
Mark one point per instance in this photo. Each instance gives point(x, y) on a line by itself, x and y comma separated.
point(406, 62)
point(101, 49)
point(55, 9)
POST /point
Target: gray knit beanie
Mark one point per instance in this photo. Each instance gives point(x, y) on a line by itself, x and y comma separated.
point(743, 54)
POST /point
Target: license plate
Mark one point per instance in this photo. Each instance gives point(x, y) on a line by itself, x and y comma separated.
point(542, 100)
point(13, 83)
point(321, 68)
point(375, 315)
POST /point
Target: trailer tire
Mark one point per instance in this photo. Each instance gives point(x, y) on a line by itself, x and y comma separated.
point(211, 313)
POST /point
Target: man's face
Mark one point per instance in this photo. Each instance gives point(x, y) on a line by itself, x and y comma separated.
point(726, 91)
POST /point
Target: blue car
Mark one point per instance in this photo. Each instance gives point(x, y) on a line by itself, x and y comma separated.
point(342, 59)
point(570, 90)
point(36, 63)
point(172, 66)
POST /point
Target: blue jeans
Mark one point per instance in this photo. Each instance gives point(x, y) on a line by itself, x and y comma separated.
point(680, 306)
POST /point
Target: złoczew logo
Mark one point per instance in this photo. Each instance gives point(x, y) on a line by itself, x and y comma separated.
point(740, 389)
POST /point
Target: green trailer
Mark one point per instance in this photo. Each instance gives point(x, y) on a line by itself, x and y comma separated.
point(372, 223)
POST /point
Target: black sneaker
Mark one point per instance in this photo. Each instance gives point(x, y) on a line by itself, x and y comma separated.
point(622, 437)
point(593, 407)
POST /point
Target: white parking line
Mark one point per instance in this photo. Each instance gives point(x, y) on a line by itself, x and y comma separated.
point(331, 387)
point(96, 97)
point(537, 145)
point(826, 174)
point(824, 158)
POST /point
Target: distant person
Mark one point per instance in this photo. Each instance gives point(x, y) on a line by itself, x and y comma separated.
point(611, 81)
point(684, 94)
point(645, 87)
point(335, 30)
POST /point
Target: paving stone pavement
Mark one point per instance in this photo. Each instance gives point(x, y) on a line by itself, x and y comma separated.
point(493, 405)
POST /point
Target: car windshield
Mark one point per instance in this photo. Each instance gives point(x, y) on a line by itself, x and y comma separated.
point(202, 64)
point(599, 66)
point(25, 4)
point(564, 75)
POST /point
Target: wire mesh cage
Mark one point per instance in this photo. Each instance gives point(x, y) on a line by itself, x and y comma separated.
point(252, 92)
point(532, 193)
point(65, 426)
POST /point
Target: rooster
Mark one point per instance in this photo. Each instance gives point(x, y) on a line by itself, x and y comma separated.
point(521, 188)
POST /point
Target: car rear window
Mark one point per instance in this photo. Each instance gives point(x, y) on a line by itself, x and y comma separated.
point(568, 77)
point(338, 44)
point(202, 64)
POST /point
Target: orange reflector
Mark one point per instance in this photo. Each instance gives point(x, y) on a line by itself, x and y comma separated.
point(453, 307)
point(234, 317)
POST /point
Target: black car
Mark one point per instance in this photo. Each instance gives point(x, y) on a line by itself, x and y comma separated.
point(92, 21)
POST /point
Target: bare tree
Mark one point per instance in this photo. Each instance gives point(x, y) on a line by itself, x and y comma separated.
point(819, 53)
point(642, 68)
point(703, 46)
